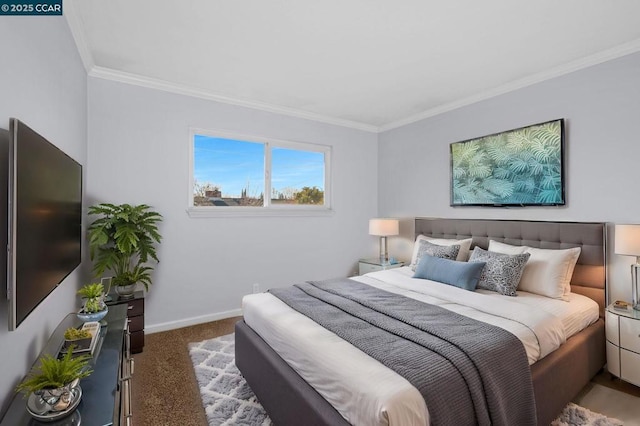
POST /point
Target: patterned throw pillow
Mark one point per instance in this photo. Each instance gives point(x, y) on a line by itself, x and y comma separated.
point(548, 271)
point(463, 254)
point(444, 252)
point(502, 272)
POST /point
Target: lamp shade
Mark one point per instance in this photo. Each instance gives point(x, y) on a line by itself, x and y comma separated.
point(384, 227)
point(627, 240)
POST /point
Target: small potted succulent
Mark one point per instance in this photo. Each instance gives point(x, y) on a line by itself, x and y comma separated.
point(93, 307)
point(79, 338)
point(55, 382)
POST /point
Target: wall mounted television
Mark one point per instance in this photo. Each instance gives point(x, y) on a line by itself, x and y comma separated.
point(44, 219)
point(519, 167)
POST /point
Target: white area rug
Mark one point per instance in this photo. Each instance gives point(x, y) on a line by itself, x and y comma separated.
point(576, 415)
point(228, 400)
point(226, 397)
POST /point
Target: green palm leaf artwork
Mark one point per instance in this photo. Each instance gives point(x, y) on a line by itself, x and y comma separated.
point(517, 167)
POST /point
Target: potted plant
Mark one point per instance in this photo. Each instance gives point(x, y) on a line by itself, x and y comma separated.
point(123, 240)
point(93, 308)
point(73, 334)
point(55, 381)
point(76, 335)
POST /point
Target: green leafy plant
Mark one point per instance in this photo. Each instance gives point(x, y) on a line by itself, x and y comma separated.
point(123, 240)
point(54, 373)
point(92, 306)
point(138, 274)
point(91, 291)
point(94, 298)
point(73, 333)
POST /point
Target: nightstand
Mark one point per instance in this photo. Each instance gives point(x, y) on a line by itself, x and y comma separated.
point(135, 318)
point(373, 265)
point(623, 343)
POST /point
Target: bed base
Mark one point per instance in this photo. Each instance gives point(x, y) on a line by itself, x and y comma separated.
point(561, 375)
point(290, 400)
point(285, 395)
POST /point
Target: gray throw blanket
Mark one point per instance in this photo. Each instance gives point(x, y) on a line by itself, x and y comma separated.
point(468, 372)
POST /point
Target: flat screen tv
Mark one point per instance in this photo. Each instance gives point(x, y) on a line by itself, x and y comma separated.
point(519, 167)
point(44, 218)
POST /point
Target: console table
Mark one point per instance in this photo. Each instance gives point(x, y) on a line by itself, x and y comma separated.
point(106, 393)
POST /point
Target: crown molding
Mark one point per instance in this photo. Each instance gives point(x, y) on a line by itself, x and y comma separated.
point(77, 31)
point(153, 83)
point(598, 58)
point(76, 26)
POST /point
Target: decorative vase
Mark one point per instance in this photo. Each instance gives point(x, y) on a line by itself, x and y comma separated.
point(47, 405)
point(58, 398)
point(125, 291)
point(93, 316)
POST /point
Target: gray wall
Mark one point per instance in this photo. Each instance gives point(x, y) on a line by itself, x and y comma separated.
point(43, 83)
point(139, 153)
point(601, 106)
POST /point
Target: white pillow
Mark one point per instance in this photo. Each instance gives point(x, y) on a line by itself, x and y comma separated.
point(499, 247)
point(548, 271)
point(463, 254)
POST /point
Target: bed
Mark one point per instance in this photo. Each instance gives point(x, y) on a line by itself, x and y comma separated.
point(557, 377)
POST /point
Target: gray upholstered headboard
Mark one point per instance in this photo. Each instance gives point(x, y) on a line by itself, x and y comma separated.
point(589, 277)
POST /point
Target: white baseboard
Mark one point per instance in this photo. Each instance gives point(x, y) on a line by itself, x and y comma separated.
point(172, 325)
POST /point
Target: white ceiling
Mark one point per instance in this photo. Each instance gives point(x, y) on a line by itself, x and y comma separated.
point(369, 64)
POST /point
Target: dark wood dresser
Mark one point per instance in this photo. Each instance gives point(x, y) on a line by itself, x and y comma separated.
point(135, 316)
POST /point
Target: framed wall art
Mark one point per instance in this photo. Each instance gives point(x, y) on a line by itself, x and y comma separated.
point(519, 167)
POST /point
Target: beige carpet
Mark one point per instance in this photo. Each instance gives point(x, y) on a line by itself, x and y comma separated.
point(165, 391)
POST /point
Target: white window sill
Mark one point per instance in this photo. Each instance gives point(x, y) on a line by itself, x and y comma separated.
point(202, 212)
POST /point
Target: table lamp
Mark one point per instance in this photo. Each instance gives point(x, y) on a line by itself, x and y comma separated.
point(627, 243)
point(384, 228)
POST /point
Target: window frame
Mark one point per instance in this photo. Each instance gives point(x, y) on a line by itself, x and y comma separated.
point(267, 209)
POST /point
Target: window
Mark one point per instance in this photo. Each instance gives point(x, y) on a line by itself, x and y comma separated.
point(235, 173)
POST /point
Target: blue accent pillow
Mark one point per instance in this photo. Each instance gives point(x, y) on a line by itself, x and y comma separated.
point(460, 274)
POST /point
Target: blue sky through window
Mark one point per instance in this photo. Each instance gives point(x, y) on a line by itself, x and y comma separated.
point(236, 165)
point(295, 169)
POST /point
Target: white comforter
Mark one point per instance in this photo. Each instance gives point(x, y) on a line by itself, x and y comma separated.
point(367, 392)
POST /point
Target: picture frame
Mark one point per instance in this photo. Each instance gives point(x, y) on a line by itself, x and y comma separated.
point(515, 168)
